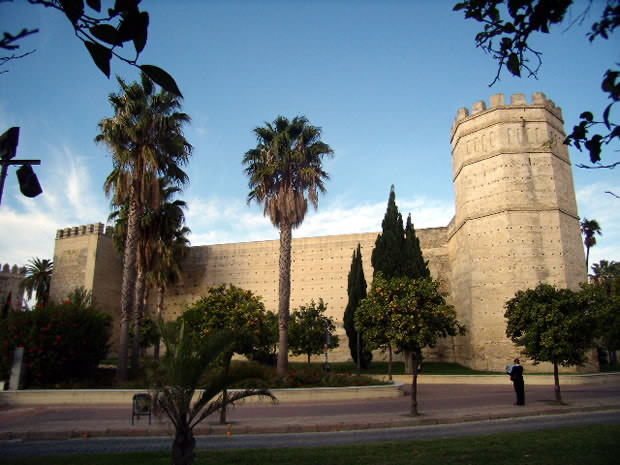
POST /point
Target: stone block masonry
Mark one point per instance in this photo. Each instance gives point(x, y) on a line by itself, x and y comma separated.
point(515, 225)
point(11, 292)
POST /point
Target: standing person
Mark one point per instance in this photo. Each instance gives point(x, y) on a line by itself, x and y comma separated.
point(516, 376)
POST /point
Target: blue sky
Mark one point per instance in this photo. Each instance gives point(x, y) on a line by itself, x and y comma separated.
point(384, 79)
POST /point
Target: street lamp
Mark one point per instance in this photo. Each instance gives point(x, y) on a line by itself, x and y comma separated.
point(28, 182)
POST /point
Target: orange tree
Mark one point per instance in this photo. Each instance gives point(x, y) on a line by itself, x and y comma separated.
point(552, 325)
point(235, 310)
point(308, 330)
point(413, 315)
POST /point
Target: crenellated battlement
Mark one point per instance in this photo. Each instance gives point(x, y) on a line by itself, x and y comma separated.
point(94, 228)
point(539, 99)
point(7, 268)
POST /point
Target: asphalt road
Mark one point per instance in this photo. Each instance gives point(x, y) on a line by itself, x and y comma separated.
point(22, 448)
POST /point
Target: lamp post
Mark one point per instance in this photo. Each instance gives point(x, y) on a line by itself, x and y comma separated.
point(328, 341)
point(28, 182)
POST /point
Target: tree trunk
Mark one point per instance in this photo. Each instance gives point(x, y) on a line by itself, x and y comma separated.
point(127, 290)
point(138, 313)
point(414, 385)
point(183, 446)
point(556, 380)
point(408, 362)
point(309, 358)
point(390, 362)
point(223, 409)
point(160, 311)
point(227, 360)
point(284, 295)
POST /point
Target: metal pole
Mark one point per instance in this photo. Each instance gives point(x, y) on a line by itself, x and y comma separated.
point(359, 362)
point(5, 168)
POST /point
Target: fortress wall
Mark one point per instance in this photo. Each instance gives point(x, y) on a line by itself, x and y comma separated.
point(11, 291)
point(319, 269)
point(515, 225)
point(516, 222)
point(85, 256)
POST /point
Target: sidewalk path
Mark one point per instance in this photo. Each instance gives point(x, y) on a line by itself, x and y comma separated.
point(438, 404)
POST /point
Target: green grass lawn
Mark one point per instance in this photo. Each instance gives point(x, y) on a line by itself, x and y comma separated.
point(398, 368)
point(592, 445)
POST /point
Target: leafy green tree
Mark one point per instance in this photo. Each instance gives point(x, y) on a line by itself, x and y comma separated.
point(285, 170)
point(417, 317)
point(187, 367)
point(356, 290)
point(308, 330)
point(266, 350)
point(414, 264)
point(102, 34)
point(145, 137)
point(552, 325)
point(62, 341)
point(82, 297)
point(373, 320)
point(589, 229)
point(232, 309)
point(387, 255)
point(604, 288)
point(510, 28)
point(38, 279)
point(397, 253)
point(148, 334)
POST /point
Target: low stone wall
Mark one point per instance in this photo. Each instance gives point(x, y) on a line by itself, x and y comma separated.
point(536, 380)
point(125, 396)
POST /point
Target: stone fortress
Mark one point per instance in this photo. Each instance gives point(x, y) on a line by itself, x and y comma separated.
point(515, 225)
point(11, 292)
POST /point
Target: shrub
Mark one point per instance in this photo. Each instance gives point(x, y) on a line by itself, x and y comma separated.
point(308, 377)
point(60, 341)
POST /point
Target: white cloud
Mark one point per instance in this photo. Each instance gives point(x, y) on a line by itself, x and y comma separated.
point(29, 225)
point(219, 220)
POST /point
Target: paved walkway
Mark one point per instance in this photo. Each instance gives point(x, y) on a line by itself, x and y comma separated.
point(436, 403)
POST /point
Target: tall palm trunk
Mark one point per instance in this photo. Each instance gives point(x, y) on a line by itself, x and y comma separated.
point(161, 290)
point(139, 304)
point(183, 446)
point(128, 288)
point(284, 295)
point(587, 259)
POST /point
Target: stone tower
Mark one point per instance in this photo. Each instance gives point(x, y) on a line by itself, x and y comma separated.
point(516, 221)
point(11, 291)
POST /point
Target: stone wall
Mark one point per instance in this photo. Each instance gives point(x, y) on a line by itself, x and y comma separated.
point(319, 269)
point(11, 291)
point(516, 222)
point(515, 225)
point(85, 256)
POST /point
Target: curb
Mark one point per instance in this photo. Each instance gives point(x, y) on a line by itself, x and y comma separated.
point(241, 429)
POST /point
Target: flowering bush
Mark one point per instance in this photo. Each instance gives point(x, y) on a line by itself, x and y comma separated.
point(60, 341)
point(308, 377)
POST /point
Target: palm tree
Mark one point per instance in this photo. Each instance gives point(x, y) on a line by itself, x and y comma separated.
point(145, 136)
point(161, 231)
point(188, 366)
point(589, 228)
point(168, 268)
point(285, 171)
point(38, 279)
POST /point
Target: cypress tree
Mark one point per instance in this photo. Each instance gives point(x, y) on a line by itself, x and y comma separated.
point(357, 291)
point(387, 254)
point(414, 264)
